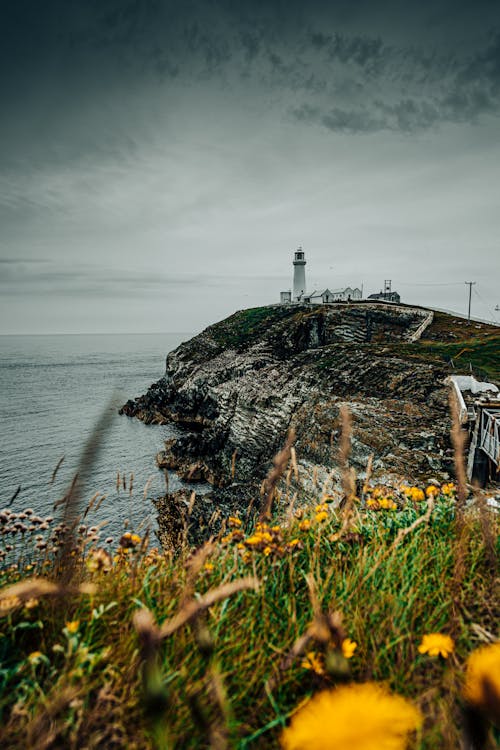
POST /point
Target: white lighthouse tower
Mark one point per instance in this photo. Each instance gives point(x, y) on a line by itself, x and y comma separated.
point(299, 274)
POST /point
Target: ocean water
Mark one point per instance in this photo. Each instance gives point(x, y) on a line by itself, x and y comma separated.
point(53, 389)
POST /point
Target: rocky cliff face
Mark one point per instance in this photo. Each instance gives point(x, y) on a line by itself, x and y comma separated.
point(238, 387)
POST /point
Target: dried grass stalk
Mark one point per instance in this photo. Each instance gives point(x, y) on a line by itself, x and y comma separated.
point(280, 463)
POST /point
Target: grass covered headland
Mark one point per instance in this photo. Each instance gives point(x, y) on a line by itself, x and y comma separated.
point(366, 627)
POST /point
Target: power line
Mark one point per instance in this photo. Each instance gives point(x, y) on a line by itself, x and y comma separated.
point(429, 283)
point(479, 296)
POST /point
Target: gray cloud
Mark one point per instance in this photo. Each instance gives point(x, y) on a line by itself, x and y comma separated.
point(175, 153)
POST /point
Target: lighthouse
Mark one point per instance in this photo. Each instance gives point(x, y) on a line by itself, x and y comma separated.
point(299, 274)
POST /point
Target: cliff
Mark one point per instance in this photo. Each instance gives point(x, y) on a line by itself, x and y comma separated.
point(238, 387)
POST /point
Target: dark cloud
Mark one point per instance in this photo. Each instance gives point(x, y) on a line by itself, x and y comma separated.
point(189, 138)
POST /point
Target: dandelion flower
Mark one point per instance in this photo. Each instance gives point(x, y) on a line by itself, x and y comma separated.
point(348, 648)
point(305, 525)
point(437, 644)
point(314, 662)
point(482, 681)
point(358, 717)
point(72, 626)
point(417, 494)
point(35, 656)
point(321, 516)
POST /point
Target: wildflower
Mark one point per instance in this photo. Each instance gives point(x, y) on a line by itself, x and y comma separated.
point(437, 644)
point(448, 489)
point(321, 508)
point(129, 540)
point(234, 521)
point(208, 566)
point(314, 662)
point(253, 541)
point(432, 490)
point(416, 494)
point(305, 525)
point(72, 626)
point(387, 503)
point(348, 648)
point(99, 560)
point(482, 681)
point(365, 717)
point(267, 551)
point(371, 503)
point(321, 516)
point(35, 656)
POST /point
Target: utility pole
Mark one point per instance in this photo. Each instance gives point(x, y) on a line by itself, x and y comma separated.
point(471, 284)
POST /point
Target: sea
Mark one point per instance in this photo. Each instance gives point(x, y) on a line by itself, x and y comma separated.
point(60, 393)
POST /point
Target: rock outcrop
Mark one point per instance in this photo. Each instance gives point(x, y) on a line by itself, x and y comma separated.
point(238, 387)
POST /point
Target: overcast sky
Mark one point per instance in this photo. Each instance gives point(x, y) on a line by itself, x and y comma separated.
point(160, 161)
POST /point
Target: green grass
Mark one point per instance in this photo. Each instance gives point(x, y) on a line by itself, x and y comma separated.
point(482, 354)
point(91, 688)
point(244, 327)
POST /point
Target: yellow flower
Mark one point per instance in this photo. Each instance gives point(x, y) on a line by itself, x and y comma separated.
point(417, 494)
point(253, 541)
point(348, 648)
point(208, 566)
point(482, 681)
point(34, 656)
point(314, 662)
point(321, 516)
point(387, 504)
point(267, 551)
point(448, 489)
point(72, 626)
point(437, 644)
point(321, 508)
point(305, 525)
point(432, 490)
point(352, 717)
point(129, 540)
point(371, 503)
point(234, 521)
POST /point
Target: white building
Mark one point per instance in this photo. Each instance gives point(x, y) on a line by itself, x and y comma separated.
point(300, 293)
point(337, 295)
point(299, 274)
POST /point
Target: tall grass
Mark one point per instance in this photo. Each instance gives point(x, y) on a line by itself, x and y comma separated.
point(85, 667)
